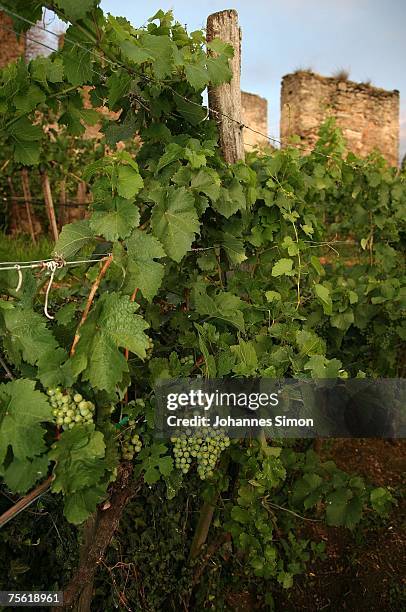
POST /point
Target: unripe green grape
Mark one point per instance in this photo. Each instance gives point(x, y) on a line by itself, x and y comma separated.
point(77, 398)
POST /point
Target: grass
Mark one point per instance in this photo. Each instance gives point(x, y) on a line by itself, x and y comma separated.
point(21, 248)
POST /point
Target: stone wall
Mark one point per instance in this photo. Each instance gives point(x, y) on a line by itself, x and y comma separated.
point(11, 47)
point(368, 116)
point(254, 114)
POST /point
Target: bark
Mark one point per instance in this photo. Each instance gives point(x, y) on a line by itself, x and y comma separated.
point(98, 533)
point(225, 100)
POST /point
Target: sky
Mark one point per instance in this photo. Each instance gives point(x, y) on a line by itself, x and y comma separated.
point(365, 37)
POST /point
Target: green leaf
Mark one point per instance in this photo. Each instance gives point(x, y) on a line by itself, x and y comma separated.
point(81, 464)
point(26, 139)
point(74, 10)
point(22, 475)
point(77, 65)
point(154, 464)
point(144, 272)
point(324, 297)
point(207, 181)
point(219, 70)
point(230, 200)
point(321, 367)
point(317, 265)
point(79, 456)
point(28, 100)
point(72, 238)
point(381, 500)
point(309, 343)
point(273, 296)
point(80, 505)
point(197, 76)
point(115, 219)
point(134, 52)
point(129, 182)
point(112, 325)
point(22, 410)
point(173, 152)
point(223, 305)
point(106, 365)
point(241, 515)
point(118, 84)
point(342, 320)
point(234, 247)
point(174, 220)
point(45, 70)
point(24, 131)
point(191, 111)
point(282, 267)
point(28, 337)
point(343, 508)
point(161, 49)
point(246, 358)
point(27, 153)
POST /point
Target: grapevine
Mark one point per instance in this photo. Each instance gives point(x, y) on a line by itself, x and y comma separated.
point(212, 270)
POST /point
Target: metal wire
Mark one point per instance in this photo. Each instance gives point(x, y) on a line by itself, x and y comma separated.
point(44, 263)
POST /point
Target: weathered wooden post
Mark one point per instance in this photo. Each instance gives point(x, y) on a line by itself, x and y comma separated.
point(226, 110)
point(225, 100)
point(49, 205)
point(28, 206)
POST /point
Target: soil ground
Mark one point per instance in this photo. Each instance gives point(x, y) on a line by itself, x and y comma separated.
point(366, 569)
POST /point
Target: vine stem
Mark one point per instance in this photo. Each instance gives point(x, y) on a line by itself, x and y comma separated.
point(25, 501)
point(7, 370)
point(127, 350)
point(89, 302)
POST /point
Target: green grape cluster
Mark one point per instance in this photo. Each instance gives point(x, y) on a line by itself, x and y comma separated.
point(131, 442)
point(187, 362)
point(204, 445)
point(69, 408)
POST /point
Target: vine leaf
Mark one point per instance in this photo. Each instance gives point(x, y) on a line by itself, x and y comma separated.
point(223, 305)
point(75, 10)
point(22, 475)
point(174, 220)
point(79, 471)
point(283, 267)
point(115, 219)
point(343, 508)
point(112, 325)
point(77, 66)
point(22, 411)
point(72, 238)
point(144, 272)
point(129, 182)
point(324, 297)
point(28, 337)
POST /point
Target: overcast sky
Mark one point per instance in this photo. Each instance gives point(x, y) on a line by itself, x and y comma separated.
point(366, 37)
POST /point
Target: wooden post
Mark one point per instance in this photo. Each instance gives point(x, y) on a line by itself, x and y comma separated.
point(226, 110)
point(15, 209)
point(28, 206)
point(62, 203)
point(225, 100)
point(49, 204)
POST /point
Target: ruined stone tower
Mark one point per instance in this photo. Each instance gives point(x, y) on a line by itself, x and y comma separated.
point(254, 114)
point(11, 47)
point(368, 116)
